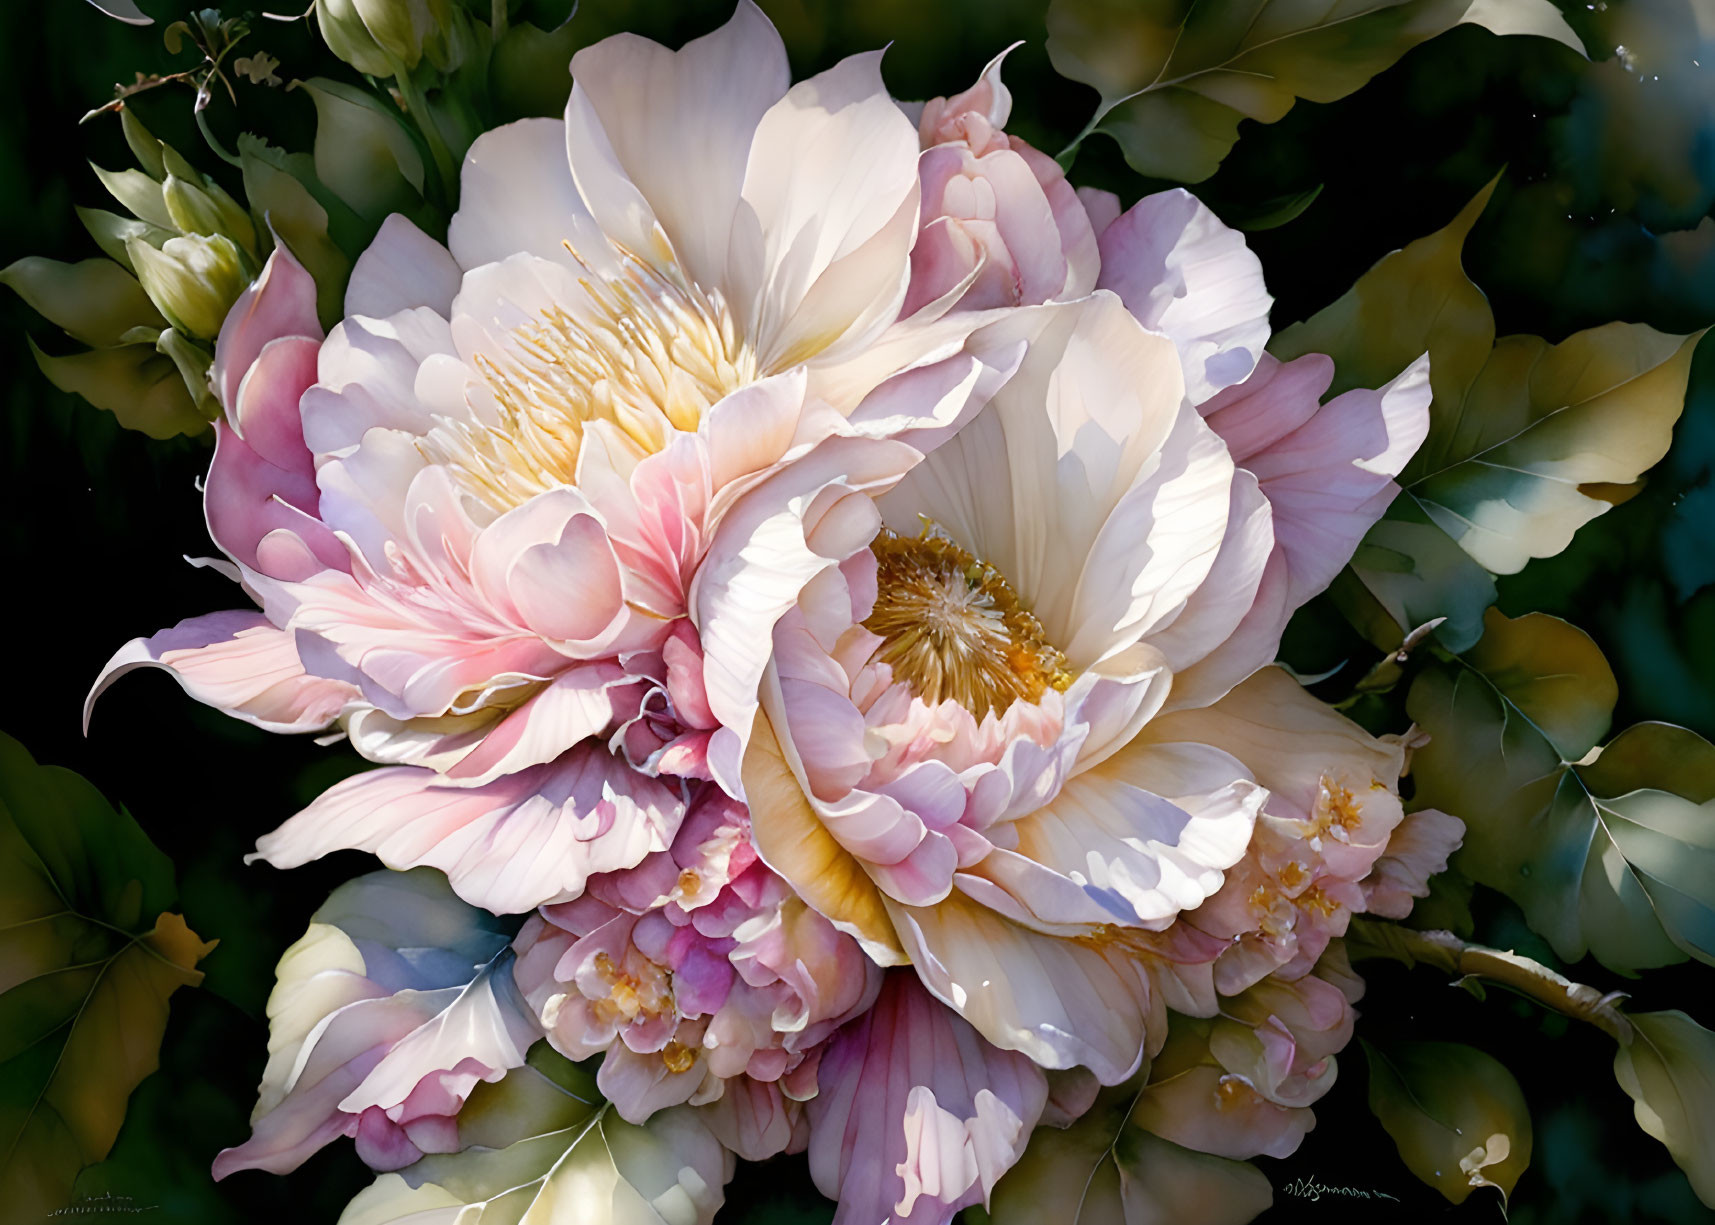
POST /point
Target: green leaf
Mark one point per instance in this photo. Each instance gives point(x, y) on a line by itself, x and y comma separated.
point(602, 1171)
point(1177, 76)
point(1668, 1070)
point(89, 955)
point(112, 232)
point(95, 300)
point(1406, 572)
point(1274, 213)
point(139, 193)
point(1614, 857)
point(549, 1093)
point(143, 389)
point(1106, 1168)
point(531, 71)
point(1456, 1114)
point(1525, 438)
point(363, 153)
point(284, 204)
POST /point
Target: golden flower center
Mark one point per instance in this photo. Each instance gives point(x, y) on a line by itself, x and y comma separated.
point(952, 627)
point(645, 351)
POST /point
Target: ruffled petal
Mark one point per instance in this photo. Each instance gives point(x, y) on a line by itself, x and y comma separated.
point(510, 845)
point(281, 302)
point(1061, 1002)
point(1182, 272)
point(516, 193)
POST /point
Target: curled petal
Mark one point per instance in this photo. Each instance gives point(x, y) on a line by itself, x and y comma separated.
point(237, 662)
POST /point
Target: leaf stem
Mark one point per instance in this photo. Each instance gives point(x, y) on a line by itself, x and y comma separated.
point(1368, 939)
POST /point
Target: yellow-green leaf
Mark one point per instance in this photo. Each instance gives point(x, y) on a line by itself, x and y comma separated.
point(1105, 1169)
point(95, 301)
point(1456, 1114)
point(1550, 672)
point(1614, 857)
point(133, 382)
point(603, 1171)
point(1177, 76)
point(1527, 441)
point(1668, 1069)
point(88, 959)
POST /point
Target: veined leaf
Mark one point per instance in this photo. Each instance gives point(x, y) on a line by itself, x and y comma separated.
point(1526, 441)
point(1456, 1114)
point(1614, 856)
point(1105, 1168)
point(602, 1171)
point(1668, 1069)
point(88, 959)
point(1177, 76)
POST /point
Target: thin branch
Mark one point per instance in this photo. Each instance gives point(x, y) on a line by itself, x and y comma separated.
point(1444, 951)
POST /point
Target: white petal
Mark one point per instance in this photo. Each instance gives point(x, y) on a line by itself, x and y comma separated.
point(516, 194)
point(1182, 272)
point(403, 267)
point(659, 137)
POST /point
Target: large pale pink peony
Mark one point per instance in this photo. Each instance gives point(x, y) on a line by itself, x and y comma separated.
point(491, 518)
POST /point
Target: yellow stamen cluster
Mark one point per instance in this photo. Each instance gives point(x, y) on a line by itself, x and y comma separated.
point(647, 993)
point(952, 627)
point(643, 350)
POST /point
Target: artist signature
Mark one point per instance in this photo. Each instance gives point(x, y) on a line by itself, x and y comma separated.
point(1308, 1187)
point(106, 1204)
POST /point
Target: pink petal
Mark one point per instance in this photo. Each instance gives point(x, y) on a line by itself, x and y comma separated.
point(508, 846)
point(916, 1116)
point(1182, 272)
point(282, 302)
point(239, 663)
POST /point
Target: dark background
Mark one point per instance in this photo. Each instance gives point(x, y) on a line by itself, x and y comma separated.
point(1607, 178)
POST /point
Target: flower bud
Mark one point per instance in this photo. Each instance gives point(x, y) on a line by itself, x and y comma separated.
point(205, 208)
point(193, 280)
point(378, 36)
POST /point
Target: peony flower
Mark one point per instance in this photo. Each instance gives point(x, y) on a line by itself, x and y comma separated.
point(491, 517)
point(1240, 1084)
point(981, 751)
point(1001, 226)
point(697, 968)
point(397, 1001)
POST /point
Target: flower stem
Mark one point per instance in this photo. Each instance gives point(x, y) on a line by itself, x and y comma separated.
point(417, 107)
point(1368, 939)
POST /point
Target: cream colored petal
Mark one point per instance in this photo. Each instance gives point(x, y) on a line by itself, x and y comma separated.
point(662, 138)
point(792, 840)
point(1061, 1002)
point(821, 244)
